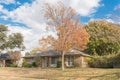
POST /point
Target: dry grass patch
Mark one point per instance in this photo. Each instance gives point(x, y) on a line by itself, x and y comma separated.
point(57, 74)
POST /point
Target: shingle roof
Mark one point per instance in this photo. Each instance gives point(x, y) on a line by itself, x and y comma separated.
point(4, 56)
point(29, 56)
point(55, 53)
point(77, 52)
point(48, 53)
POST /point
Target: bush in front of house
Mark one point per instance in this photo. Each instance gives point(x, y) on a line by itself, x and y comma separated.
point(13, 65)
point(106, 61)
point(25, 64)
point(34, 64)
point(28, 66)
point(59, 63)
point(116, 60)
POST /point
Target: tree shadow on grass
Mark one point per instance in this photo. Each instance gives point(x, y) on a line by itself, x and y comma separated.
point(111, 76)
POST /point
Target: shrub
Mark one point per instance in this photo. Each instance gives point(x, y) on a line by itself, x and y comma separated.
point(59, 64)
point(106, 61)
point(116, 60)
point(13, 65)
point(26, 65)
point(34, 64)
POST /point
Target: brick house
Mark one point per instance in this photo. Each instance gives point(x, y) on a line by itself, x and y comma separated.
point(50, 58)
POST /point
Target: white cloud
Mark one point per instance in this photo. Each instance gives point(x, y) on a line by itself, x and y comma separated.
point(85, 7)
point(7, 1)
point(107, 19)
point(3, 10)
point(32, 16)
point(114, 16)
point(31, 37)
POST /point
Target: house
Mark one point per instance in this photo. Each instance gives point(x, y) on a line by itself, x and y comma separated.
point(50, 58)
point(6, 59)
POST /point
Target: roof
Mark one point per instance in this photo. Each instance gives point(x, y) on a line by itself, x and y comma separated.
point(55, 53)
point(77, 52)
point(29, 56)
point(48, 53)
point(4, 56)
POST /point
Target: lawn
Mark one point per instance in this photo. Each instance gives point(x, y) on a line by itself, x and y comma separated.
point(57, 74)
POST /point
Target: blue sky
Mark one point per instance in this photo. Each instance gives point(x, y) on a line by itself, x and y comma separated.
point(26, 17)
point(107, 7)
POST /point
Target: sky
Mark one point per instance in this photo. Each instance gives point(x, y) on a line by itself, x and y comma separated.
point(26, 16)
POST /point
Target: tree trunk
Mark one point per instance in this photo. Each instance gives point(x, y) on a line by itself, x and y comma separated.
point(63, 61)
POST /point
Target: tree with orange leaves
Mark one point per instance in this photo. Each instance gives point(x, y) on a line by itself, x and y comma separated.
point(44, 44)
point(70, 33)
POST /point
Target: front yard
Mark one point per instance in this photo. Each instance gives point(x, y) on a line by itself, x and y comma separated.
point(57, 74)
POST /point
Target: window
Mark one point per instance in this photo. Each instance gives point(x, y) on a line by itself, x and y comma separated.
point(53, 60)
point(70, 60)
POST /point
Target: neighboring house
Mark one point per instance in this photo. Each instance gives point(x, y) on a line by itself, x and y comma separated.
point(6, 60)
point(50, 58)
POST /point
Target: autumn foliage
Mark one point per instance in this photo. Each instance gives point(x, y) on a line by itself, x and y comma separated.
point(15, 56)
point(72, 36)
point(70, 33)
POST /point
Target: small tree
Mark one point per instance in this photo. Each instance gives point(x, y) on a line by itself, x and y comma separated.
point(15, 56)
point(70, 33)
point(14, 40)
point(7, 42)
point(3, 36)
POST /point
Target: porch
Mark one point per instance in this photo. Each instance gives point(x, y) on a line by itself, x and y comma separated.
point(69, 61)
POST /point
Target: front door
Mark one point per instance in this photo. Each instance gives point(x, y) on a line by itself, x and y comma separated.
point(69, 61)
point(44, 62)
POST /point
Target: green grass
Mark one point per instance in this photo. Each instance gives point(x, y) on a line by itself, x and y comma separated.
point(57, 74)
